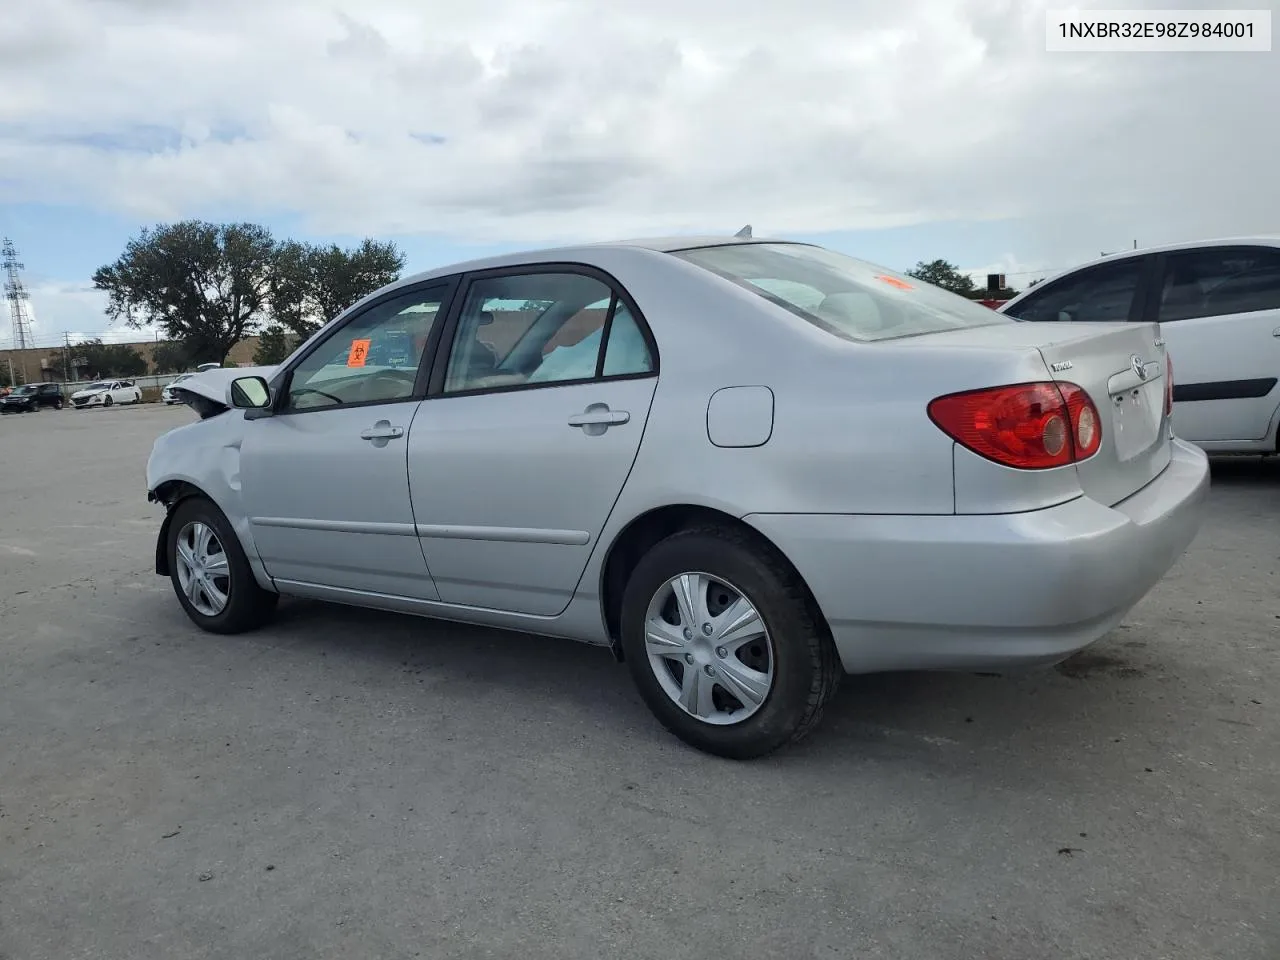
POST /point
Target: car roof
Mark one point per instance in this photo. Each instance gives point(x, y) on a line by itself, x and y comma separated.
point(575, 252)
point(1255, 240)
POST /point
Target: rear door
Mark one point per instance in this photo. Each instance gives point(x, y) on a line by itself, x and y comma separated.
point(1219, 312)
point(538, 403)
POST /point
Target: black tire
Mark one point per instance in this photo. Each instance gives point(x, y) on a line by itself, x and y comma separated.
point(107, 401)
point(807, 668)
point(248, 605)
point(57, 405)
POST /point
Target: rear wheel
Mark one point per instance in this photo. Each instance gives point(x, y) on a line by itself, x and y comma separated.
point(724, 644)
point(210, 572)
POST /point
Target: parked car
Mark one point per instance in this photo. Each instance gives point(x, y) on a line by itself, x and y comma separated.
point(105, 393)
point(1217, 303)
point(32, 397)
point(167, 394)
point(747, 467)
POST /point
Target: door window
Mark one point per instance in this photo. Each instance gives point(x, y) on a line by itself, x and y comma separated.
point(1101, 293)
point(1220, 281)
point(372, 359)
point(542, 328)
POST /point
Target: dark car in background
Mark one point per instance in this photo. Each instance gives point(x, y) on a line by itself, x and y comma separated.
point(31, 397)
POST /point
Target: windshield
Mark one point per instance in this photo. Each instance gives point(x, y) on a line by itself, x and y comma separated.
point(24, 391)
point(846, 297)
point(98, 386)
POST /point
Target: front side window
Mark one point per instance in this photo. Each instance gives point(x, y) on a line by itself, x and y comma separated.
point(1100, 294)
point(1218, 282)
point(543, 328)
point(372, 359)
point(844, 296)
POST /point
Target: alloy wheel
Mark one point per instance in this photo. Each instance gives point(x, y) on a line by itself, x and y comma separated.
point(203, 571)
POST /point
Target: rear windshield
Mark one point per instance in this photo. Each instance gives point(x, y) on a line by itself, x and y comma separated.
point(846, 297)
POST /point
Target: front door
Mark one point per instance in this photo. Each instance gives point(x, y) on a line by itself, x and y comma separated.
point(534, 422)
point(1219, 314)
point(325, 480)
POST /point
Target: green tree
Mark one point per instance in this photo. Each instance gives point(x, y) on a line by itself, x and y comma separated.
point(274, 346)
point(109, 359)
point(311, 285)
point(205, 285)
point(170, 356)
point(946, 275)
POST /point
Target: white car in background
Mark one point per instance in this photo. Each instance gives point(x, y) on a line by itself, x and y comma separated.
point(106, 393)
point(167, 394)
point(1217, 303)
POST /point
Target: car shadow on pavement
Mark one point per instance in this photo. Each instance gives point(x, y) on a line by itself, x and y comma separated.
point(1046, 713)
point(1244, 471)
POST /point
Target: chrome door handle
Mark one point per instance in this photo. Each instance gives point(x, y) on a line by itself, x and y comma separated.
point(382, 430)
point(599, 417)
point(1276, 332)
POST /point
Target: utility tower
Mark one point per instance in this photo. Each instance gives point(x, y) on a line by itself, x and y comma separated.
point(17, 297)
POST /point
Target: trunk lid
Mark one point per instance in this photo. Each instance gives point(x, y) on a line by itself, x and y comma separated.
point(1122, 366)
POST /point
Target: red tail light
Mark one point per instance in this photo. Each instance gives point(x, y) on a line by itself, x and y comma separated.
point(1031, 426)
point(1168, 385)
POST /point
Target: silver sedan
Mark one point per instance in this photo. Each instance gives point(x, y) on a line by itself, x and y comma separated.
point(747, 467)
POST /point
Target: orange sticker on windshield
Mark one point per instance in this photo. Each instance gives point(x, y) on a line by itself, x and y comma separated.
point(359, 350)
point(895, 282)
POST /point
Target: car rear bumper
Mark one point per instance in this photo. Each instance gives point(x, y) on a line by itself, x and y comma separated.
point(985, 591)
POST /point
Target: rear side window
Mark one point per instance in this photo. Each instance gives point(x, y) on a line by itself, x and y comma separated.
point(844, 296)
point(544, 327)
point(1099, 294)
point(1218, 282)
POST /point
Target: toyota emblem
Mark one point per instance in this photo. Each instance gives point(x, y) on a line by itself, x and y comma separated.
point(1139, 367)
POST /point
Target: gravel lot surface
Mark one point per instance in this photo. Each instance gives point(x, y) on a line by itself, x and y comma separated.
point(355, 785)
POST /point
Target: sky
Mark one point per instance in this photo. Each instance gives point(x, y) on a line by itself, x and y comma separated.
point(893, 130)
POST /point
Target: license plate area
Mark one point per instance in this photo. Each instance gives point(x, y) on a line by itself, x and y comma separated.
point(1135, 418)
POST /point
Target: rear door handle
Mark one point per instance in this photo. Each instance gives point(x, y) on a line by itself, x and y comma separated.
point(599, 415)
point(382, 430)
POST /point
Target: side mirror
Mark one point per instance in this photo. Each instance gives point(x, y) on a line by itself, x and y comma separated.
point(250, 393)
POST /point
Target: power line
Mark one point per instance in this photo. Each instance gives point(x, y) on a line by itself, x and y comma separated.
point(52, 341)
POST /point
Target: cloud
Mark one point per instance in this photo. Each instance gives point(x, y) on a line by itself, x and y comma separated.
point(57, 307)
point(508, 121)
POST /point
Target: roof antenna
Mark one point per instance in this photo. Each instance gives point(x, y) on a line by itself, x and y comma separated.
point(744, 233)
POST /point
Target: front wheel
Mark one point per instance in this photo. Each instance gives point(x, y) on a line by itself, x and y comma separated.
point(725, 645)
point(107, 402)
point(210, 572)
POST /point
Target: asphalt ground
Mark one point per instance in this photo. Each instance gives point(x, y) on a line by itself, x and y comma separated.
point(355, 785)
